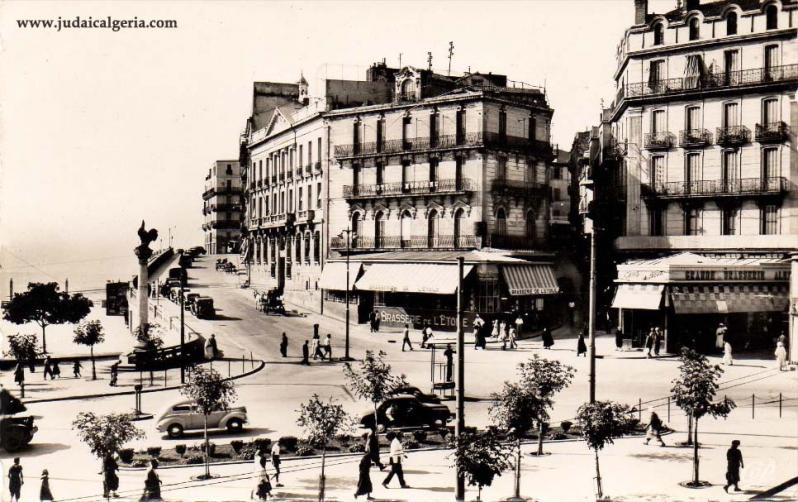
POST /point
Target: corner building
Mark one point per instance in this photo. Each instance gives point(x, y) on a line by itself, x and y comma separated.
point(222, 207)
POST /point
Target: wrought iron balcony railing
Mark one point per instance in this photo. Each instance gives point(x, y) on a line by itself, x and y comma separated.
point(498, 240)
point(519, 188)
point(772, 132)
point(409, 242)
point(695, 138)
point(733, 135)
point(717, 188)
point(658, 140)
point(400, 189)
point(616, 149)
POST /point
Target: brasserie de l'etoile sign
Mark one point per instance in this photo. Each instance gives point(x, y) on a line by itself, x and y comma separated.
point(716, 275)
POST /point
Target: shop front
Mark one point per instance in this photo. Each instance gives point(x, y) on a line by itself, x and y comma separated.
point(689, 295)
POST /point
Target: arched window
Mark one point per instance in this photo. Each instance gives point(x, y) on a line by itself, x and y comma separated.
point(531, 228)
point(432, 229)
point(501, 228)
point(407, 89)
point(357, 229)
point(731, 23)
point(459, 217)
point(695, 28)
point(379, 230)
point(659, 34)
point(405, 229)
point(771, 17)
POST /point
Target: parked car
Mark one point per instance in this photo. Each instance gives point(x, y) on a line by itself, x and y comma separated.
point(189, 301)
point(185, 260)
point(174, 294)
point(418, 393)
point(406, 411)
point(196, 250)
point(16, 430)
point(179, 274)
point(185, 415)
point(202, 307)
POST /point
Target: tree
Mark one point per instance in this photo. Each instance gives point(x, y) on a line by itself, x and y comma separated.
point(22, 347)
point(44, 304)
point(210, 392)
point(105, 434)
point(514, 410)
point(372, 380)
point(321, 421)
point(545, 378)
point(90, 333)
point(479, 457)
point(601, 422)
point(694, 392)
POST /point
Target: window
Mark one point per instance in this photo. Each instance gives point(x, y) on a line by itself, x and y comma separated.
point(730, 115)
point(406, 175)
point(310, 153)
point(692, 173)
point(770, 111)
point(692, 221)
point(459, 217)
point(318, 195)
point(433, 172)
point(657, 122)
point(379, 230)
point(357, 229)
point(501, 223)
point(531, 228)
point(459, 122)
point(307, 247)
point(356, 175)
point(380, 133)
point(318, 149)
point(729, 172)
point(266, 205)
point(729, 216)
point(432, 229)
point(406, 122)
point(694, 29)
point(771, 17)
point(405, 226)
point(310, 196)
point(298, 248)
point(659, 34)
point(770, 164)
point(731, 23)
point(301, 157)
point(692, 118)
point(407, 89)
point(658, 172)
point(502, 125)
point(282, 202)
point(356, 137)
point(288, 251)
point(487, 298)
point(291, 200)
point(317, 247)
point(380, 168)
point(301, 199)
point(458, 173)
point(771, 61)
point(770, 220)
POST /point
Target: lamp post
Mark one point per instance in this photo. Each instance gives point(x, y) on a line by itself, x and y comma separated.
point(349, 236)
point(460, 425)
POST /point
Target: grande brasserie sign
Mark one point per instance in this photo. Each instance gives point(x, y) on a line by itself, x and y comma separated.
point(716, 274)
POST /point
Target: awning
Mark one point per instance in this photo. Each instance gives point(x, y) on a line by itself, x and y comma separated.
point(638, 296)
point(440, 279)
point(530, 280)
point(729, 298)
point(333, 275)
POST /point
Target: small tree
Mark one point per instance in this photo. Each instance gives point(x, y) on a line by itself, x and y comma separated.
point(210, 392)
point(22, 347)
point(479, 457)
point(514, 410)
point(601, 422)
point(694, 392)
point(105, 434)
point(545, 378)
point(90, 333)
point(44, 304)
point(321, 421)
point(372, 380)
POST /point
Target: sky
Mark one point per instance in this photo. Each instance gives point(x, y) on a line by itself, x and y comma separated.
point(101, 129)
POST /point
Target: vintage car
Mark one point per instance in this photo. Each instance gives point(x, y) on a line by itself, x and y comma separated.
point(406, 411)
point(179, 274)
point(202, 307)
point(418, 393)
point(16, 430)
point(185, 415)
point(189, 300)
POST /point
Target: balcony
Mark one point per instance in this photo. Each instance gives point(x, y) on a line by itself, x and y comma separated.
point(274, 179)
point(695, 138)
point(772, 132)
point(504, 241)
point(299, 172)
point(658, 140)
point(402, 189)
point(733, 136)
point(305, 216)
point(410, 242)
point(207, 194)
point(225, 224)
point(317, 166)
point(517, 188)
point(615, 149)
point(308, 168)
point(745, 187)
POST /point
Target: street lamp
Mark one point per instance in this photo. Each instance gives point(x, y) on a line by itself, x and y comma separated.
point(349, 236)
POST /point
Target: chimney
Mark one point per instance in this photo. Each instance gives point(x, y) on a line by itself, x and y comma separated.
point(641, 9)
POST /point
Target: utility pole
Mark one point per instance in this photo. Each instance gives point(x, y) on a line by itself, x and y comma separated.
point(592, 312)
point(460, 426)
point(451, 52)
point(182, 332)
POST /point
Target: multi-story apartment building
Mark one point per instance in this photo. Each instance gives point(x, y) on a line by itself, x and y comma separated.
point(285, 152)
point(560, 184)
point(697, 153)
point(222, 207)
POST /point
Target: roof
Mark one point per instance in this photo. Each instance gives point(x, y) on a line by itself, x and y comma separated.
point(688, 258)
point(437, 257)
point(714, 9)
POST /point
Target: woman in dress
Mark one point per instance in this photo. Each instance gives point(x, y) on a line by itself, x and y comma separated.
point(654, 429)
point(44, 491)
point(581, 348)
point(548, 340)
point(110, 478)
point(727, 354)
point(364, 486)
point(15, 480)
point(781, 355)
point(494, 332)
point(152, 484)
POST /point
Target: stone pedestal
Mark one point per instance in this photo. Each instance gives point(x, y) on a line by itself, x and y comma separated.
point(143, 293)
point(792, 350)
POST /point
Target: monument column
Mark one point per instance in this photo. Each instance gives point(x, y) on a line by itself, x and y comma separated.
point(143, 253)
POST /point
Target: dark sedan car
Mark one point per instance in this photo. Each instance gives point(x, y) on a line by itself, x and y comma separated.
point(418, 393)
point(405, 410)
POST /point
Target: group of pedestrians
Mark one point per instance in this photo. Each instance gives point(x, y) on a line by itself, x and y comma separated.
point(263, 482)
point(372, 457)
point(320, 348)
point(654, 341)
point(374, 321)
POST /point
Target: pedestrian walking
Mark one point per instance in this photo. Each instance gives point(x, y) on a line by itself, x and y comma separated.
point(19, 375)
point(76, 368)
point(372, 321)
point(478, 323)
point(658, 336)
point(548, 340)
point(377, 320)
point(720, 334)
point(781, 355)
point(426, 336)
point(449, 355)
point(406, 338)
point(618, 339)
point(305, 354)
point(727, 354)
point(581, 348)
point(110, 477)
point(783, 339)
point(284, 345)
point(314, 347)
point(214, 347)
point(503, 337)
point(114, 374)
point(15, 480)
point(276, 462)
point(734, 462)
point(152, 484)
point(503, 329)
point(326, 344)
point(397, 456)
point(511, 338)
point(56, 369)
point(364, 486)
point(44, 492)
point(478, 333)
point(494, 332)
point(48, 369)
point(519, 323)
point(654, 428)
point(373, 447)
point(263, 486)
point(650, 341)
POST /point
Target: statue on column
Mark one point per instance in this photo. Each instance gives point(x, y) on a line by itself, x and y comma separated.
point(143, 252)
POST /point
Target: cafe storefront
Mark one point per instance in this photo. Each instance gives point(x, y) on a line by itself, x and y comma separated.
point(688, 295)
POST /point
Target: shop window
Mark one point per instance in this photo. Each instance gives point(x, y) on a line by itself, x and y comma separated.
point(694, 28)
point(659, 34)
point(731, 23)
point(771, 17)
point(487, 296)
point(770, 220)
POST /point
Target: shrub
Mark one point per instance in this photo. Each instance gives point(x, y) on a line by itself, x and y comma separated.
point(195, 460)
point(304, 449)
point(154, 451)
point(126, 455)
point(289, 442)
point(558, 436)
point(237, 445)
point(565, 425)
point(420, 436)
point(263, 443)
point(357, 448)
point(180, 449)
point(344, 439)
point(634, 424)
point(211, 449)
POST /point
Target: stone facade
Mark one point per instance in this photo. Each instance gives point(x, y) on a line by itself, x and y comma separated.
point(222, 207)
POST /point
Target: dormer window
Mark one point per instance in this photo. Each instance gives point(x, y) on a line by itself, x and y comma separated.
point(407, 90)
point(694, 28)
point(771, 17)
point(659, 34)
point(731, 23)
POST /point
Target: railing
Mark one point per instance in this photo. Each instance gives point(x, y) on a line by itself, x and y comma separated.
point(511, 241)
point(734, 135)
point(308, 168)
point(411, 242)
point(317, 165)
point(517, 187)
point(306, 215)
point(408, 188)
point(772, 132)
point(274, 178)
point(224, 224)
point(225, 207)
point(711, 188)
point(616, 149)
point(695, 138)
point(658, 140)
point(710, 81)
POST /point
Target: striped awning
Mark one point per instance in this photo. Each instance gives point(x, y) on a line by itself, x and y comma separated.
point(638, 296)
point(333, 275)
point(523, 280)
point(729, 298)
point(433, 278)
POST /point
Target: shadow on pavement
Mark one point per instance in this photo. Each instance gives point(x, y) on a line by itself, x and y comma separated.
point(38, 449)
